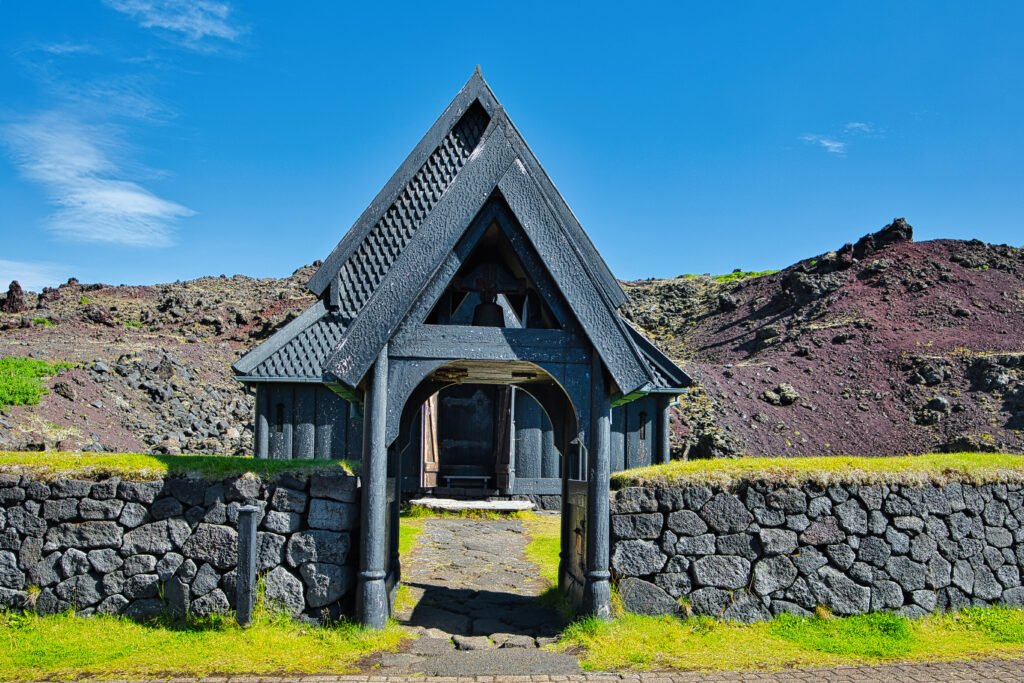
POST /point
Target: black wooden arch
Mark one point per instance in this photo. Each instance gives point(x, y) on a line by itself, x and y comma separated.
point(406, 397)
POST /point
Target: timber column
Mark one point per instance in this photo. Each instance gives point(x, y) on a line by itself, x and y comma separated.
point(664, 429)
point(597, 596)
point(371, 596)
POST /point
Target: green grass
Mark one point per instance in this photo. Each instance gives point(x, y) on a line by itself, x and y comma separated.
point(66, 647)
point(638, 642)
point(543, 550)
point(142, 466)
point(45, 322)
point(741, 275)
point(1002, 625)
point(409, 529)
point(938, 468)
point(868, 635)
point(21, 380)
point(133, 323)
point(728, 277)
point(85, 300)
point(419, 512)
point(545, 544)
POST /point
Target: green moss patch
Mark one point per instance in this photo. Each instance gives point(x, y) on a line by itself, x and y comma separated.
point(21, 380)
point(937, 468)
point(142, 466)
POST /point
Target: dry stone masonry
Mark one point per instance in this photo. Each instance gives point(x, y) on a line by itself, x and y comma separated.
point(761, 551)
point(171, 545)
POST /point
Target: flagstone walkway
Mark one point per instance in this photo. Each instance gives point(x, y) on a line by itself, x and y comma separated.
point(476, 603)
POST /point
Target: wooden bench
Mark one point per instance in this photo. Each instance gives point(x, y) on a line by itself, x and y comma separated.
point(482, 478)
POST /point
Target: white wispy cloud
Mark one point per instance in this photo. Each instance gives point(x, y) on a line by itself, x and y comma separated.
point(67, 48)
point(837, 144)
point(828, 143)
point(32, 276)
point(193, 20)
point(76, 165)
point(859, 127)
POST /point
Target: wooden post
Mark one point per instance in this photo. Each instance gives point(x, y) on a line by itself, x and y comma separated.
point(371, 596)
point(395, 561)
point(262, 434)
point(245, 585)
point(664, 450)
point(597, 597)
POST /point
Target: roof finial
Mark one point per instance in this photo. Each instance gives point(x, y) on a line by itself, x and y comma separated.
point(477, 72)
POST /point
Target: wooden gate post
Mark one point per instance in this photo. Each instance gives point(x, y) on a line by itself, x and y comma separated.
point(597, 597)
point(371, 596)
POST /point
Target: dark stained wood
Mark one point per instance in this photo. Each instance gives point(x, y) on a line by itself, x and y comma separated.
point(474, 90)
point(456, 342)
point(598, 318)
point(382, 314)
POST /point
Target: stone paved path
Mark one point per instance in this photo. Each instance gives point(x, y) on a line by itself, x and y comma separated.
point(1008, 670)
point(476, 606)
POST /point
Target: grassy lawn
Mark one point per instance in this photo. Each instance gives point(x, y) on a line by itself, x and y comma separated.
point(65, 647)
point(143, 466)
point(638, 642)
point(937, 468)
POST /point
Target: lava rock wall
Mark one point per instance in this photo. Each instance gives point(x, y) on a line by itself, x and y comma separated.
point(171, 545)
point(760, 551)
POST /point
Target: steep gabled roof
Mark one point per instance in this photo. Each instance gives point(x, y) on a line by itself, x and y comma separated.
point(401, 243)
point(298, 351)
point(394, 215)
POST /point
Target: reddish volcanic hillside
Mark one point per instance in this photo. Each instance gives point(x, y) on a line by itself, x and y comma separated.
point(884, 347)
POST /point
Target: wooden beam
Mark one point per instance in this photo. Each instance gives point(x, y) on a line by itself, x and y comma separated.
point(457, 342)
point(596, 314)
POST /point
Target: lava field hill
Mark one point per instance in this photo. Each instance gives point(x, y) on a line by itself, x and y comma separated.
point(152, 362)
point(886, 346)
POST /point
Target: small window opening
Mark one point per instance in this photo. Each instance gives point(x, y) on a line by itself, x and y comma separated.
point(643, 425)
point(280, 417)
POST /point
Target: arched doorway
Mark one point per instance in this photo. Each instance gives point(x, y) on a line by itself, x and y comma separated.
point(566, 401)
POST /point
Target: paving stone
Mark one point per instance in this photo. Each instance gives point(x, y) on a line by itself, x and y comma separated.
point(472, 643)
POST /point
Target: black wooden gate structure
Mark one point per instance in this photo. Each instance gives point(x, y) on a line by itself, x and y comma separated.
point(469, 268)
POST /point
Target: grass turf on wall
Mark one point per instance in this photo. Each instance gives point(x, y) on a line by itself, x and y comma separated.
point(142, 466)
point(936, 468)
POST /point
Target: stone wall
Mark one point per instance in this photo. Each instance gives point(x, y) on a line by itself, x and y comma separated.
point(141, 548)
point(759, 551)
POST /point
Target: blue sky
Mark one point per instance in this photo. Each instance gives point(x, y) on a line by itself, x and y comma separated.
point(147, 141)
